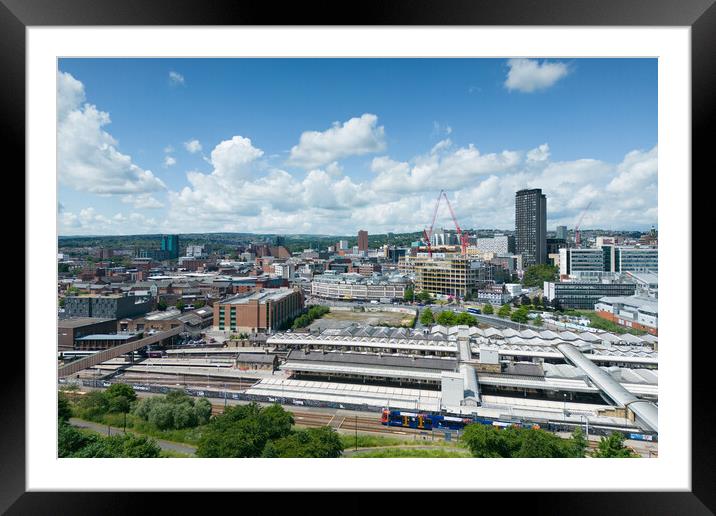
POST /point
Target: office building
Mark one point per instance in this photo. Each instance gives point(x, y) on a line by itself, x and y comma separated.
point(573, 261)
point(265, 310)
point(636, 259)
point(362, 240)
point(448, 275)
point(170, 245)
point(444, 237)
point(561, 233)
point(531, 226)
point(555, 244)
point(585, 294)
point(354, 286)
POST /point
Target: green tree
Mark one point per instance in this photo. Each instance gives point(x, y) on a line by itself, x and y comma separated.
point(275, 420)
point(425, 297)
point(536, 443)
point(202, 409)
point(243, 431)
point(466, 319)
point(579, 443)
point(538, 321)
point(322, 442)
point(446, 318)
point(490, 441)
point(200, 303)
point(426, 317)
point(180, 305)
point(61, 302)
point(120, 405)
point(488, 309)
point(409, 294)
point(520, 315)
point(504, 311)
point(162, 416)
point(70, 440)
point(64, 411)
point(162, 305)
point(536, 275)
point(121, 389)
point(612, 446)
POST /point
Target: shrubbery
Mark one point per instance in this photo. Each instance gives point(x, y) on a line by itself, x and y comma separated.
point(175, 410)
point(314, 312)
point(73, 443)
point(253, 431)
point(490, 441)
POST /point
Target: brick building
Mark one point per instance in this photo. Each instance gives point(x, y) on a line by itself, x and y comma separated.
point(70, 329)
point(266, 309)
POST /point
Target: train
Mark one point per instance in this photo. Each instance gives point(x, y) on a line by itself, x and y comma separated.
point(473, 310)
point(433, 421)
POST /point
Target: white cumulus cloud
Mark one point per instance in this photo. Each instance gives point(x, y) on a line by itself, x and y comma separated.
point(528, 75)
point(87, 156)
point(192, 146)
point(357, 136)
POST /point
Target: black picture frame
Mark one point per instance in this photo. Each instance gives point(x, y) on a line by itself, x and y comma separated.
point(700, 15)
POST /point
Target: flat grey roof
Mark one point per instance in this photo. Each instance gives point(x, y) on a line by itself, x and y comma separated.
point(332, 357)
point(102, 336)
point(77, 322)
point(261, 296)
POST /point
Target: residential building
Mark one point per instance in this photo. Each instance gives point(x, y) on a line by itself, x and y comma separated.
point(362, 240)
point(498, 244)
point(531, 226)
point(115, 306)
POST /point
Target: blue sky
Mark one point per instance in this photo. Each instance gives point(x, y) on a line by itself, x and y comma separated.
point(335, 145)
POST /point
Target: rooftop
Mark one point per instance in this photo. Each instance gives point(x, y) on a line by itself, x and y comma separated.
point(77, 322)
point(102, 336)
point(262, 296)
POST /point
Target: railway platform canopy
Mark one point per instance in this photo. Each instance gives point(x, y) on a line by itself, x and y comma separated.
point(645, 411)
point(348, 394)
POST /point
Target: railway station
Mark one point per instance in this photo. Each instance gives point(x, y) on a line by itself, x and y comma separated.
point(544, 375)
point(566, 377)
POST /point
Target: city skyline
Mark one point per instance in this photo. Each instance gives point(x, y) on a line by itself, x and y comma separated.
point(321, 147)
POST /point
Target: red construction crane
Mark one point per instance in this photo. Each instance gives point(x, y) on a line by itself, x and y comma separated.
point(463, 236)
point(577, 238)
point(428, 234)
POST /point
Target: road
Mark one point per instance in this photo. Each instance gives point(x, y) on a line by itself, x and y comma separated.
point(186, 449)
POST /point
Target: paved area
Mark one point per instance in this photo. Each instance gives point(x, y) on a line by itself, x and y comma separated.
point(103, 429)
